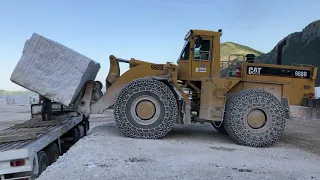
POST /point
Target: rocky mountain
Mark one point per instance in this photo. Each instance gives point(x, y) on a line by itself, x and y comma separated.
point(301, 48)
point(228, 48)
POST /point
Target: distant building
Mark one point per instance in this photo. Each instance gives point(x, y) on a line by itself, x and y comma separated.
point(22, 100)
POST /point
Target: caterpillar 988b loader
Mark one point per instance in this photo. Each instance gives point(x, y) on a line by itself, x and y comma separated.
point(250, 106)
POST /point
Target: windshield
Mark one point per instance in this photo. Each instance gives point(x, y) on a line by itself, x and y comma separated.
point(184, 55)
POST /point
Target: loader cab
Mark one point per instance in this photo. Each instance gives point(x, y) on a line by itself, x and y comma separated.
point(200, 55)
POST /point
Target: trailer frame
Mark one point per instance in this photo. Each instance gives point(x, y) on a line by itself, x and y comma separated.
point(27, 150)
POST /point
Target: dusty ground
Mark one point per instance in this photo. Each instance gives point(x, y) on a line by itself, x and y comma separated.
point(13, 114)
point(303, 134)
point(188, 152)
point(193, 152)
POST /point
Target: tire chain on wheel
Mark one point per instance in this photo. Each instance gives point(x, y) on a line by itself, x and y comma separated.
point(165, 95)
point(234, 123)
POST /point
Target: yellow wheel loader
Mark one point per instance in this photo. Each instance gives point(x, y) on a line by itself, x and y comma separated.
point(249, 101)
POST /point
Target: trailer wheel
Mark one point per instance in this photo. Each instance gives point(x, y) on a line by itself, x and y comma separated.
point(145, 109)
point(52, 152)
point(42, 161)
point(85, 124)
point(75, 135)
point(88, 125)
point(86, 128)
point(254, 117)
point(81, 130)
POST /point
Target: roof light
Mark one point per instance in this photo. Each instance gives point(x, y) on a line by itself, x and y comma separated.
point(188, 35)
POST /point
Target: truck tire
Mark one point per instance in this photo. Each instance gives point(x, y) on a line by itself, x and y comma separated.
point(81, 130)
point(75, 135)
point(145, 109)
point(53, 153)
point(86, 125)
point(254, 118)
point(43, 162)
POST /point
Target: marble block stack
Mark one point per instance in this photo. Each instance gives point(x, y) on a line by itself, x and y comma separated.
point(53, 70)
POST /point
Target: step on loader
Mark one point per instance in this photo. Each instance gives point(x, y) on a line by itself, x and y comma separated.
point(245, 99)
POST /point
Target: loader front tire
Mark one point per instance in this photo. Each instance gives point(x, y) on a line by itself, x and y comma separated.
point(145, 109)
point(254, 118)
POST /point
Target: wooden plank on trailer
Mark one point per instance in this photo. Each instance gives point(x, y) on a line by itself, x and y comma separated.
point(21, 137)
point(39, 124)
point(57, 117)
point(23, 131)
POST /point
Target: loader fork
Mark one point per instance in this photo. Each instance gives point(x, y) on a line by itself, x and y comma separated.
point(91, 95)
point(114, 72)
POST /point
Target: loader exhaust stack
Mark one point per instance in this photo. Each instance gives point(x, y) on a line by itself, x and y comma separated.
point(279, 55)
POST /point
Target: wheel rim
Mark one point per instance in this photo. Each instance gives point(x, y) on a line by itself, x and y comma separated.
point(256, 119)
point(145, 110)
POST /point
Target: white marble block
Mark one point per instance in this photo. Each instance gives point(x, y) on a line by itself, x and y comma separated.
point(53, 70)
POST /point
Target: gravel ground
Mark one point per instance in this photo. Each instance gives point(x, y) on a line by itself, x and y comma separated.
point(189, 152)
point(303, 134)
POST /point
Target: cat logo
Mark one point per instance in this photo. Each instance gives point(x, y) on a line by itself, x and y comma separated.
point(254, 70)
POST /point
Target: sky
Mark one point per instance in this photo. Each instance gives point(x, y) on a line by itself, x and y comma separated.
point(149, 30)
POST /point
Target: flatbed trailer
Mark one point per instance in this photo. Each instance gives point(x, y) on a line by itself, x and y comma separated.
point(28, 148)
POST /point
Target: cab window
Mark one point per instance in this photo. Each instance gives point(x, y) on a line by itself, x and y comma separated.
point(186, 51)
point(202, 52)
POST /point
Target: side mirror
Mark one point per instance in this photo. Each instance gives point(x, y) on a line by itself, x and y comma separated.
point(198, 42)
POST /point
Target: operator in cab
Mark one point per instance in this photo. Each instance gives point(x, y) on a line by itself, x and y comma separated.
point(46, 109)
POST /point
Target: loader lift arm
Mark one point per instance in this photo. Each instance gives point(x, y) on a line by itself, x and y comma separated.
point(91, 102)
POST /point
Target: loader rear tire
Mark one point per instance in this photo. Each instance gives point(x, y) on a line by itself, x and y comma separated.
point(254, 118)
point(145, 109)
